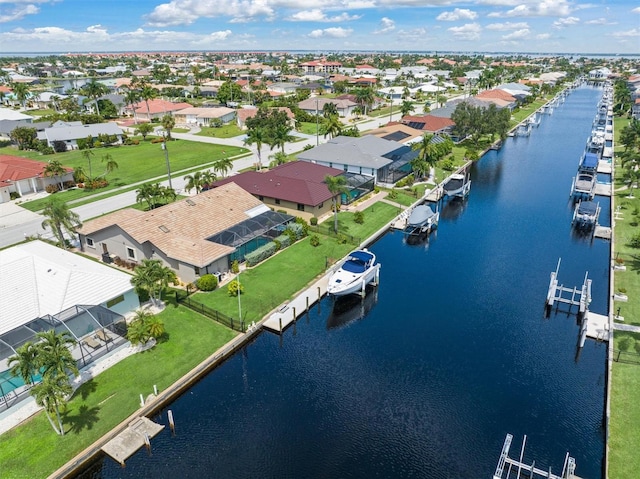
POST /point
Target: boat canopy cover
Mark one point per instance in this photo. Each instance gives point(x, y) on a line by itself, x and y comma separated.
point(590, 160)
point(588, 208)
point(358, 261)
point(420, 215)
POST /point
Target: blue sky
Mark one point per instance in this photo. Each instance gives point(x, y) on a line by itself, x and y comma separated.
point(603, 26)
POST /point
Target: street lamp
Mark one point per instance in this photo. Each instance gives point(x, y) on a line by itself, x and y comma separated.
point(391, 92)
point(166, 157)
point(317, 125)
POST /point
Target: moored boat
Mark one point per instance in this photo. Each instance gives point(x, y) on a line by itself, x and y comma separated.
point(358, 270)
point(421, 220)
point(584, 185)
point(586, 214)
point(457, 185)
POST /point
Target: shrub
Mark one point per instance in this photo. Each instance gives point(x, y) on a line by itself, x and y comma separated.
point(297, 229)
point(622, 290)
point(635, 241)
point(358, 217)
point(448, 164)
point(392, 195)
point(69, 184)
point(284, 240)
point(278, 244)
point(235, 267)
point(51, 188)
point(208, 282)
point(305, 226)
point(14, 195)
point(234, 288)
point(314, 240)
point(59, 146)
point(260, 254)
point(341, 239)
point(313, 221)
point(157, 140)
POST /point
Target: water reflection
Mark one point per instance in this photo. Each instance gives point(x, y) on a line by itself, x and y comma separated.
point(453, 208)
point(350, 308)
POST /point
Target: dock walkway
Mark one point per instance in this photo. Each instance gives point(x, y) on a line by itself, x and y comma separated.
point(127, 443)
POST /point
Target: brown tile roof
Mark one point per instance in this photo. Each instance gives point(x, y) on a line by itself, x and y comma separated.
point(16, 168)
point(185, 224)
point(397, 129)
point(159, 106)
point(297, 181)
point(428, 122)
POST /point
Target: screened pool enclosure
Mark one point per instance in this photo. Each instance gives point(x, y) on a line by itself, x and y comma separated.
point(96, 330)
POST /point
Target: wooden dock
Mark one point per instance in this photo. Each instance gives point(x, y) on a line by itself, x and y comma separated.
point(435, 195)
point(604, 167)
point(603, 189)
point(288, 313)
point(127, 443)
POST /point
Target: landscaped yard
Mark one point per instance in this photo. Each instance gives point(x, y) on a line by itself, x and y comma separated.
point(624, 429)
point(309, 128)
point(34, 450)
point(136, 163)
point(229, 130)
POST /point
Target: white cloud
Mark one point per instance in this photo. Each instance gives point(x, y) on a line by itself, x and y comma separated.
point(386, 25)
point(414, 35)
point(635, 32)
point(566, 22)
point(517, 35)
point(600, 21)
point(544, 8)
point(185, 12)
point(333, 32)
point(457, 14)
point(317, 15)
point(469, 31)
point(19, 13)
point(636, 10)
point(507, 26)
point(543, 36)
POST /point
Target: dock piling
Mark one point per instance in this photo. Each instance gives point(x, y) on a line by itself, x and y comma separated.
point(141, 400)
point(172, 424)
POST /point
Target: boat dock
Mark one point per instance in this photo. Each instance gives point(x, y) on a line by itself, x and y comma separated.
point(603, 232)
point(517, 469)
point(603, 189)
point(127, 443)
point(281, 318)
point(597, 326)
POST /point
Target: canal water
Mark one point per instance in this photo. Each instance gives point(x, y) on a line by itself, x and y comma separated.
point(425, 377)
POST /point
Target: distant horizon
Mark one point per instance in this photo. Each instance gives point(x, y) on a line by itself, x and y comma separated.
point(554, 26)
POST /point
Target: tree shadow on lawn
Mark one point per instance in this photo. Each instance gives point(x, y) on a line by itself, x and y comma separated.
point(84, 418)
point(87, 388)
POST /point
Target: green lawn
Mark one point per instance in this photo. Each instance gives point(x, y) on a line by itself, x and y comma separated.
point(229, 130)
point(277, 279)
point(308, 128)
point(135, 163)
point(525, 111)
point(624, 429)
point(34, 450)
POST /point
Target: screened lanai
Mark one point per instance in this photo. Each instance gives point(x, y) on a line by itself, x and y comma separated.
point(252, 233)
point(96, 330)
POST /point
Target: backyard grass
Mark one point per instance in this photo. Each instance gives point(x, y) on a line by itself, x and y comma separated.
point(277, 279)
point(136, 163)
point(527, 110)
point(34, 450)
point(308, 128)
point(229, 130)
point(624, 426)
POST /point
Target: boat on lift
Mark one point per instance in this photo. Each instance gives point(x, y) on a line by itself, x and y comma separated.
point(355, 272)
point(585, 215)
point(422, 220)
point(457, 185)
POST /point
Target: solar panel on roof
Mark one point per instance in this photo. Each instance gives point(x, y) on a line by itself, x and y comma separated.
point(396, 136)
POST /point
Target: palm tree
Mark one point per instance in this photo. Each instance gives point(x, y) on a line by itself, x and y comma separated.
point(257, 136)
point(194, 181)
point(94, 90)
point(406, 108)
point(152, 277)
point(26, 362)
point(168, 123)
point(51, 394)
point(426, 155)
point(364, 98)
point(60, 218)
point(337, 185)
point(132, 97)
point(280, 136)
point(54, 354)
point(87, 154)
point(148, 93)
point(223, 166)
point(146, 193)
point(110, 164)
point(21, 92)
point(208, 177)
point(332, 126)
point(329, 109)
point(278, 158)
point(55, 169)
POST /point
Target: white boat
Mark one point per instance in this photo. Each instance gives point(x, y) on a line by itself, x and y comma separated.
point(358, 270)
point(584, 185)
point(585, 214)
point(457, 185)
point(421, 220)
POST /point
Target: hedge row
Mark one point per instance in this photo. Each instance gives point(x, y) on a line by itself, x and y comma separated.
point(261, 254)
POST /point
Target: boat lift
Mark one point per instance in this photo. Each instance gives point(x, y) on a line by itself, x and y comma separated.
point(517, 469)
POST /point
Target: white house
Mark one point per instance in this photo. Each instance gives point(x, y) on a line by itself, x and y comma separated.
point(70, 132)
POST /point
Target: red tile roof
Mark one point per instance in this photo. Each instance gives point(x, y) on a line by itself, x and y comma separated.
point(498, 94)
point(16, 168)
point(297, 181)
point(159, 106)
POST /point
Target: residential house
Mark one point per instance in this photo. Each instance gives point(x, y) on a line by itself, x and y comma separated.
point(383, 160)
point(635, 109)
point(70, 132)
point(203, 116)
point(7, 126)
point(10, 114)
point(429, 123)
point(156, 108)
point(195, 236)
point(313, 105)
point(283, 88)
point(321, 67)
point(397, 132)
point(24, 176)
point(296, 187)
